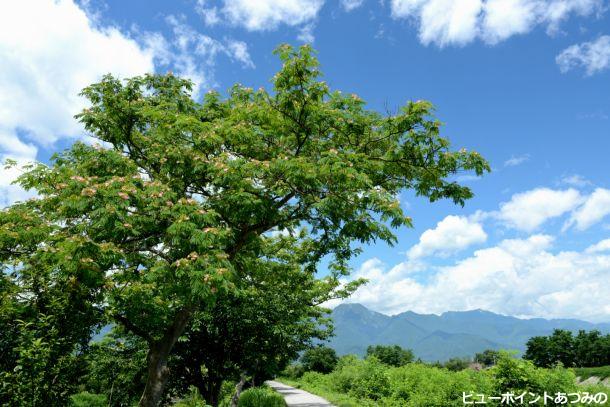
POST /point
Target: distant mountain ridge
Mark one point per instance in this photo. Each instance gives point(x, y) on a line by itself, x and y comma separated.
point(434, 337)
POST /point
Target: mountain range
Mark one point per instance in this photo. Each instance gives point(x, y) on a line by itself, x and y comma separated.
point(440, 337)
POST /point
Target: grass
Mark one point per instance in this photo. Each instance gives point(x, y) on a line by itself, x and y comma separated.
point(585, 372)
point(338, 399)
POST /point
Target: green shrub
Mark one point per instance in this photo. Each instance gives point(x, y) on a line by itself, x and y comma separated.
point(293, 371)
point(585, 372)
point(192, 399)
point(319, 359)
point(261, 397)
point(392, 355)
point(86, 399)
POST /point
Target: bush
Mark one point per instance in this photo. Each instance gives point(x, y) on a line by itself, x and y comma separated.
point(357, 382)
point(261, 397)
point(320, 359)
point(293, 371)
point(192, 399)
point(86, 399)
point(456, 364)
point(390, 355)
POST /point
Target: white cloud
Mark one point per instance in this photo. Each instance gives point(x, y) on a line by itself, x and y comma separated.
point(193, 54)
point(595, 208)
point(575, 180)
point(262, 15)
point(593, 56)
point(457, 22)
point(452, 234)
point(522, 277)
point(306, 33)
point(349, 5)
point(516, 160)
point(528, 210)
point(50, 50)
point(210, 15)
point(601, 246)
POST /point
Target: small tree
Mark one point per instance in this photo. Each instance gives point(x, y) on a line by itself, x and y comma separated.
point(320, 359)
point(391, 355)
point(488, 357)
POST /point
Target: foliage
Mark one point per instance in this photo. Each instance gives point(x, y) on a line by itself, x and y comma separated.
point(176, 204)
point(456, 364)
point(488, 357)
point(254, 332)
point(320, 359)
point(585, 372)
point(260, 397)
point(356, 382)
point(86, 399)
point(586, 349)
point(116, 367)
point(390, 355)
point(192, 399)
point(293, 371)
point(45, 325)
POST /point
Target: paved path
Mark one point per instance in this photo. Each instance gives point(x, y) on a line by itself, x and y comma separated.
point(297, 397)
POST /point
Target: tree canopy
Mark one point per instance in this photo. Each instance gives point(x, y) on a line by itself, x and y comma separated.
point(392, 355)
point(586, 349)
point(178, 201)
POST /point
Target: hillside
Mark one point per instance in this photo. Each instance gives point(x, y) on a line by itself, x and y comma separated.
point(434, 337)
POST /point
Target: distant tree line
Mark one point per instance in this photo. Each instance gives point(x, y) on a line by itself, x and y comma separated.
point(585, 349)
point(323, 359)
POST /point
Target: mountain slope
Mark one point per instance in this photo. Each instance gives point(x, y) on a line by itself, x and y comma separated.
point(434, 337)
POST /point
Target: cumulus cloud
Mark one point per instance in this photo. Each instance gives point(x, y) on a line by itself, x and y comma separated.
point(602, 246)
point(452, 234)
point(457, 22)
point(529, 210)
point(522, 277)
point(50, 50)
point(595, 208)
point(261, 15)
point(593, 56)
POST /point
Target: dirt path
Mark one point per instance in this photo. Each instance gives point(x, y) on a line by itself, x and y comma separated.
point(296, 397)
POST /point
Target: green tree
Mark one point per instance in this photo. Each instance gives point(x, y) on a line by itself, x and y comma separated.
point(256, 331)
point(392, 355)
point(46, 317)
point(488, 357)
point(586, 349)
point(321, 359)
point(456, 364)
point(537, 350)
point(176, 203)
point(116, 368)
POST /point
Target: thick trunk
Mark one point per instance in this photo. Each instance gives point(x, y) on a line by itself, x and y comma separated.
point(156, 360)
point(238, 387)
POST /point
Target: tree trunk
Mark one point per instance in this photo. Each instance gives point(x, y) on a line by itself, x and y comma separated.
point(238, 387)
point(156, 360)
point(210, 389)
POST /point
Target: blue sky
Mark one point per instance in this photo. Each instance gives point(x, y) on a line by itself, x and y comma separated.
point(524, 82)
